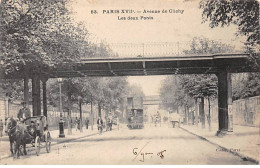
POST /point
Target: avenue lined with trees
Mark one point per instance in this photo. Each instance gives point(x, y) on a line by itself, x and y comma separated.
point(177, 90)
point(37, 37)
point(49, 64)
point(41, 35)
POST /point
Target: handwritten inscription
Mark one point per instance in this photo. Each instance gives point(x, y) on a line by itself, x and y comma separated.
point(143, 155)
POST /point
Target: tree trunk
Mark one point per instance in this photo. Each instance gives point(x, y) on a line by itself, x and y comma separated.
point(202, 112)
point(44, 97)
point(209, 117)
point(196, 112)
point(99, 110)
point(80, 115)
point(92, 115)
point(192, 117)
point(188, 115)
point(186, 118)
point(69, 115)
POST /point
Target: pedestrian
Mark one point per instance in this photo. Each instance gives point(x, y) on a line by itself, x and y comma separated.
point(5, 125)
point(151, 120)
point(24, 113)
point(79, 124)
point(117, 121)
point(71, 123)
point(87, 122)
point(110, 124)
point(76, 123)
point(1, 127)
point(100, 125)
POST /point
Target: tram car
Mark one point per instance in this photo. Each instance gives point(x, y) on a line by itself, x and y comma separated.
point(135, 119)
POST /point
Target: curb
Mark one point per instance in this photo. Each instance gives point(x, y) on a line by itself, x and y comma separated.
point(54, 143)
point(72, 139)
point(242, 156)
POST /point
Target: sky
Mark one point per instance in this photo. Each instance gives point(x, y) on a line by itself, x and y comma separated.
point(164, 27)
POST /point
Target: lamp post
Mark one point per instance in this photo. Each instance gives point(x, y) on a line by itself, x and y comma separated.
point(61, 123)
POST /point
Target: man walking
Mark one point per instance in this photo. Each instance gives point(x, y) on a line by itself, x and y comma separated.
point(100, 125)
point(76, 123)
point(87, 122)
point(1, 127)
point(117, 121)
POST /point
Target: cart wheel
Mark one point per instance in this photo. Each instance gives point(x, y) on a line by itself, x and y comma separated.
point(37, 145)
point(48, 142)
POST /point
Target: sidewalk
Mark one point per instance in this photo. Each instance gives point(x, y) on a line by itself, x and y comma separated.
point(244, 141)
point(5, 145)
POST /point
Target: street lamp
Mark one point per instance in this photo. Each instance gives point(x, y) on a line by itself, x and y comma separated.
point(61, 123)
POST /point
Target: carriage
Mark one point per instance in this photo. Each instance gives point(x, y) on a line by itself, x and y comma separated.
point(135, 119)
point(175, 119)
point(37, 133)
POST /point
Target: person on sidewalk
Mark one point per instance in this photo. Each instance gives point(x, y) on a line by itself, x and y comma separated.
point(1, 127)
point(79, 124)
point(117, 121)
point(100, 125)
point(5, 126)
point(87, 122)
point(76, 123)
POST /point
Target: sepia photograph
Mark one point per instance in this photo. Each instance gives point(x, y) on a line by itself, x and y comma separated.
point(129, 82)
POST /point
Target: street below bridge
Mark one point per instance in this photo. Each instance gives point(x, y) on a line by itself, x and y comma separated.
point(151, 145)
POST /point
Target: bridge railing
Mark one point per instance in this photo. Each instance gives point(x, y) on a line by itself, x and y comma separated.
point(164, 49)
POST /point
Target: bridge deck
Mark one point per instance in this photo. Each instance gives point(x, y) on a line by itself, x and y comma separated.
point(140, 66)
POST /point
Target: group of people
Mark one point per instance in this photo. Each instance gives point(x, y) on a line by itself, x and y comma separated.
point(77, 123)
point(108, 124)
point(23, 114)
point(156, 119)
point(22, 120)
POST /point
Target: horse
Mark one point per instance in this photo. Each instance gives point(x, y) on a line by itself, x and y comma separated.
point(11, 129)
point(22, 138)
point(18, 137)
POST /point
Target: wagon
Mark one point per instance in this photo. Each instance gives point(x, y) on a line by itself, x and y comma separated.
point(135, 119)
point(41, 136)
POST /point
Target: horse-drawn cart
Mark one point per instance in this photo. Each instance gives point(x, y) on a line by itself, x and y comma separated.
point(40, 136)
point(32, 130)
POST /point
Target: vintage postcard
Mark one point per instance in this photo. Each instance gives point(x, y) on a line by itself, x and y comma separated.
point(129, 82)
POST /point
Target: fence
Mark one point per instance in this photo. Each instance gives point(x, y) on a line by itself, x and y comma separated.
point(247, 111)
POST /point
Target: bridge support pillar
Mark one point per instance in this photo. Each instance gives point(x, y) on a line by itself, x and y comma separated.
point(230, 113)
point(44, 96)
point(26, 90)
point(36, 95)
point(224, 93)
